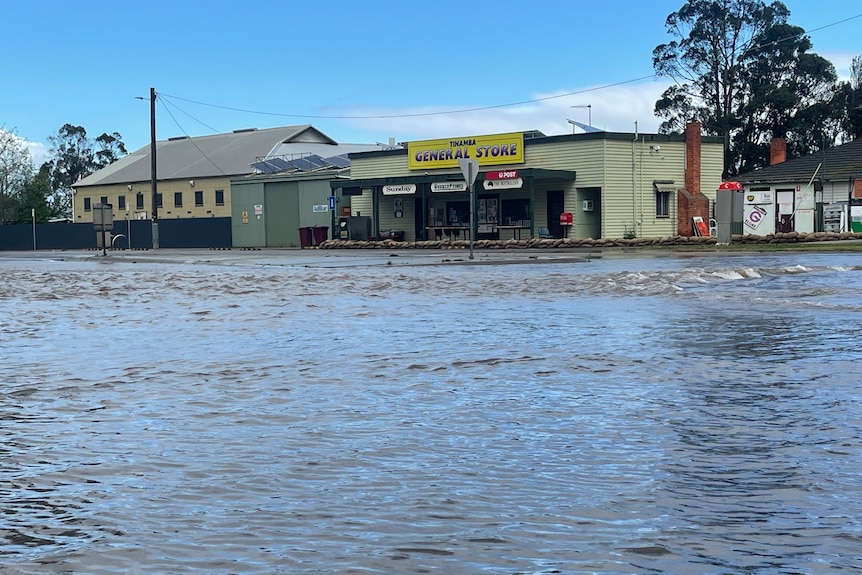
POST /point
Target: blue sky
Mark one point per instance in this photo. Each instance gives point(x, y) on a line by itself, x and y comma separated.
point(329, 63)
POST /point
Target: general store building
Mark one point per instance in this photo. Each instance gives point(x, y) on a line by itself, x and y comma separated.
point(588, 185)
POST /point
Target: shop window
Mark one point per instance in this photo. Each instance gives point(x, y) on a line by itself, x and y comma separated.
point(178, 199)
point(515, 212)
point(139, 201)
point(121, 202)
point(199, 198)
point(219, 197)
point(457, 213)
point(87, 206)
point(488, 210)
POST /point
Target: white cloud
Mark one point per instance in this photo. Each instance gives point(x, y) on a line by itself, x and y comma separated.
point(841, 61)
point(39, 152)
point(614, 109)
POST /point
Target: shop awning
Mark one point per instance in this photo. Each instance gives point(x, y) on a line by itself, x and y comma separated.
point(429, 178)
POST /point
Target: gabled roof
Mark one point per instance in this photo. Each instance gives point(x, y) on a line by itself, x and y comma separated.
point(839, 163)
point(219, 155)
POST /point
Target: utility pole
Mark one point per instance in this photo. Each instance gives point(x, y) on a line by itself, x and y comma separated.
point(153, 167)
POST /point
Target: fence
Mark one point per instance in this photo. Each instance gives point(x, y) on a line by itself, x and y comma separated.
point(177, 233)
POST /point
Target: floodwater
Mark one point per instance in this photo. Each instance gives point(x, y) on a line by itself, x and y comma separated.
point(684, 415)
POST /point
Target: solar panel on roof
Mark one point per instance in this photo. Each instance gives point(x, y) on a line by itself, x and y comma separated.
point(271, 165)
point(339, 161)
point(262, 168)
point(308, 163)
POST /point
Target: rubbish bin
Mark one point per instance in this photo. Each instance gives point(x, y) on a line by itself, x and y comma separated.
point(306, 237)
point(320, 234)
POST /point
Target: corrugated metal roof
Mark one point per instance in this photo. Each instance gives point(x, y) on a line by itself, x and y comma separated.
point(227, 155)
point(838, 163)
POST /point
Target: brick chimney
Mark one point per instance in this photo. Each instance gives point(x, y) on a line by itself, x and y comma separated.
point(690, 201)
point(692, 157)
point(777, 150)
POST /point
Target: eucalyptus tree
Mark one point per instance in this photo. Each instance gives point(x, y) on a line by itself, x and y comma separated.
point(745, 73)
point(75, 156)
point(849, 100)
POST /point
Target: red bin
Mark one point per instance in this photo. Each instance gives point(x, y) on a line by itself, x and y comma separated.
point(306, 237)
point(320, 234)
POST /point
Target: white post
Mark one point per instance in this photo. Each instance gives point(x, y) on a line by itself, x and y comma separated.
point(33, 215)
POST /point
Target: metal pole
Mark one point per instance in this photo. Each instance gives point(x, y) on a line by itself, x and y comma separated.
point(33, 215)
point(128, 228)
point(153, 167)
point(589, 108)
point(472, 207)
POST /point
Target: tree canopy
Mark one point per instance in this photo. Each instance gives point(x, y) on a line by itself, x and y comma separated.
point(47, 193)
point(747, 75)
point(16, 169)
point(76, 156)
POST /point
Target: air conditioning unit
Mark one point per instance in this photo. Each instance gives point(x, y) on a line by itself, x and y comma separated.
point(588, 205)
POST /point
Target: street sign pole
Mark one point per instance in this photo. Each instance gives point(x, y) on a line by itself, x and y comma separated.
point(470, 169)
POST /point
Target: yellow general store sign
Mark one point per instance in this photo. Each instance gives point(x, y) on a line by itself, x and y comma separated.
point(491, 150)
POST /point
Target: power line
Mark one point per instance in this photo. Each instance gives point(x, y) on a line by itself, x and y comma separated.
point(418, 114)
point(806, 32)
point(467, 110)
point(167, 101)
point(192, 140)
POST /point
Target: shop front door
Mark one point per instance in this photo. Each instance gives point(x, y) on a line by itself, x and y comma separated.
point(785, 214)
point(555, 208)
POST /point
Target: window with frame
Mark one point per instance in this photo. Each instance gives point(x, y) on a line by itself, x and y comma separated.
point(178, 199)
point(87, 205)
point(139, 201)
point(199, 198)
point(515, 212)
point(662, 204)
point(159, 200)
point(219, 197)
point(104, 200)
point(121, 202)
point(663, 190)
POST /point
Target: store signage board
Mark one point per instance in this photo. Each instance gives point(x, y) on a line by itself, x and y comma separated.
point(449, 187)
point(502, 175)
point(503, 184)
point(400, 189)
point(488, 150)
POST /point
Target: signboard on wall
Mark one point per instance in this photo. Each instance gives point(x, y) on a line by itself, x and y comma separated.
point(399, 189)
point(503, 184)
point(449, 187)
point(489, 150)
point(502, 175)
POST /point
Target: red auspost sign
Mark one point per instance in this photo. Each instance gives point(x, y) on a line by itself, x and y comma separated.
point(502, 175)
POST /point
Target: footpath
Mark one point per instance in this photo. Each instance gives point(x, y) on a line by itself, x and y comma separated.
point(399, 253)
